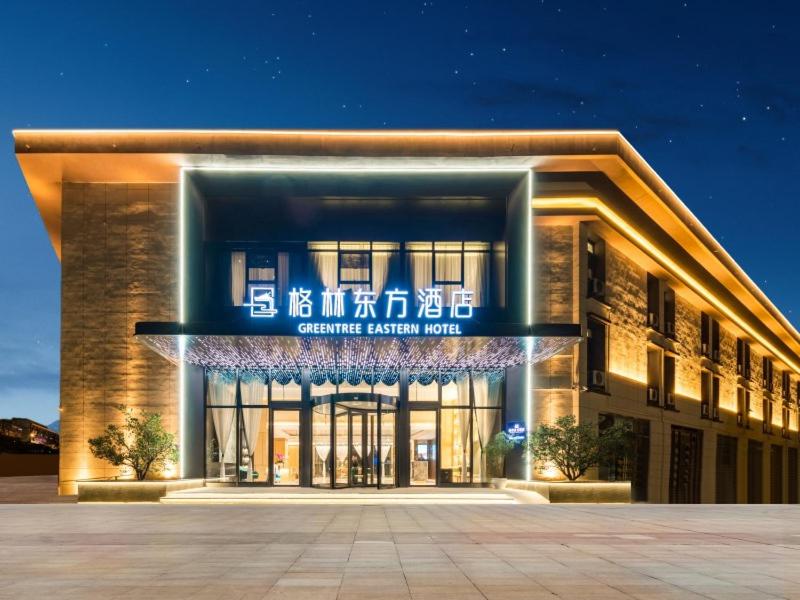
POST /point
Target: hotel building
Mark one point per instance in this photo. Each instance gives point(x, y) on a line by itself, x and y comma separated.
point(368, 308)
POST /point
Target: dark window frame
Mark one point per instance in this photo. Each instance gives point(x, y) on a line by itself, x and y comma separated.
point(603, 326)
point(596, 268)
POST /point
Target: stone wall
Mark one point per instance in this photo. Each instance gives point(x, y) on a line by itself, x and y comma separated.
point(118, 267)
point(626, 294)
point(625, 309)
point(555, 301)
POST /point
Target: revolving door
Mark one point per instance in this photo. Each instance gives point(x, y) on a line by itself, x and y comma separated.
point(353, 437)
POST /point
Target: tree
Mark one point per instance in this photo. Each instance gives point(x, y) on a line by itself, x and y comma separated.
point(575, 447)
point(141, 443)
point(496, 451)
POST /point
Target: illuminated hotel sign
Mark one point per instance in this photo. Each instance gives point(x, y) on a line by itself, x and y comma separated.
point(334, 312)
point(516, 431)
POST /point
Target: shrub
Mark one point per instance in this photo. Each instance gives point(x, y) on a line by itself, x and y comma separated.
point(575, 447)
point(141, 443)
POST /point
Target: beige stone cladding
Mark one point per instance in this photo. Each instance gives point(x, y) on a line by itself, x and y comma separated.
point(555, 301)
point(119, 266)
point(624, 309)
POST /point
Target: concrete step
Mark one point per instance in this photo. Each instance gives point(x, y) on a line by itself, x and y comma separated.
point(306, 496)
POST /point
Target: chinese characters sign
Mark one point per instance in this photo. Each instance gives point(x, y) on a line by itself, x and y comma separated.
point(364, 312)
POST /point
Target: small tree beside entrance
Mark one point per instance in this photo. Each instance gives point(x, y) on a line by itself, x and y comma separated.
point(141, 443)
point(496, 451)
point(573, 448)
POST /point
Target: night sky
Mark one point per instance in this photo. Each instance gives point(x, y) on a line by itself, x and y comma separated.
point(708, 92)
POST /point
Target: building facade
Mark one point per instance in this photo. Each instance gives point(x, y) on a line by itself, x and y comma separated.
point(343, 309)
point(28, 432)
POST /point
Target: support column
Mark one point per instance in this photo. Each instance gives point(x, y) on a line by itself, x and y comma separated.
point(403, 434)
point(518, 409)
point(191, 451)
point(306, 450)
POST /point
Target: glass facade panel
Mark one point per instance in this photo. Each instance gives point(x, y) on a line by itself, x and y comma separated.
point(289, 392)
point(221, 444)
point(352, 434)
point(342, 448)
point(423, 393)
point(485, 425)
point(456, 393)
point(254, 445)
point(387, 390)
point(454, 437)
point(387, 450)
point(423, 447)
point(361, 388)
point(322, 459)
point(286, 447)
point(487, 389)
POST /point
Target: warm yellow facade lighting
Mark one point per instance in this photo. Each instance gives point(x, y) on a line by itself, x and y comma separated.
point(596, 204)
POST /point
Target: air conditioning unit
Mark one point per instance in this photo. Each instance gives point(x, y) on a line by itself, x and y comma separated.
point(670, 328)
point(597, 287)
point(598, 379)
point(652, 320)
point(652, 395)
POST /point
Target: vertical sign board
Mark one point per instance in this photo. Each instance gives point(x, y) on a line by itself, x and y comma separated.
point(516, 431)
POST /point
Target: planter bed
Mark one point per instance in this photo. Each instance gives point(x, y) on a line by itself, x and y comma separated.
point(577, 491)
point(132, 491)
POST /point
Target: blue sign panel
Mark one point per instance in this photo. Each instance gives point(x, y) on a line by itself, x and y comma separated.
point(516, 431)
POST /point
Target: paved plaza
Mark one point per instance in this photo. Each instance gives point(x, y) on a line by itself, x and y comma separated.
point(463, 551)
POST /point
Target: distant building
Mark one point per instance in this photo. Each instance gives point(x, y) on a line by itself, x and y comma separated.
point(28, 432)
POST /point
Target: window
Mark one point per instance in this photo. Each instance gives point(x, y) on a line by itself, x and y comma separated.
point(257, 267)
point(767, 381)
point(596, 269)
point(755, 472)
point(743, 407)
point(669, 313)
point(726, 471)
point(705, 335)
point(785, 417)
point(596, 355)
point(786, 387)
point(709, 387)
point(654, 372)
point(354, 265)
point(743, 358)
point(686, 459)
point(653, 302)
point(709, 337)
point(766, 411)
point(450, 266)
point(669, 383)
point(631, 466)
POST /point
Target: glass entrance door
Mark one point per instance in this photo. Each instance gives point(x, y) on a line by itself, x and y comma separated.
point(354, 440)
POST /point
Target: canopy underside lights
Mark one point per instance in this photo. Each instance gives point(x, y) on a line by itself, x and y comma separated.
point(258, 352)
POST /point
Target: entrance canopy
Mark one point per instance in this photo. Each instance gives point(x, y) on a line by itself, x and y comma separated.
point(356, 352)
